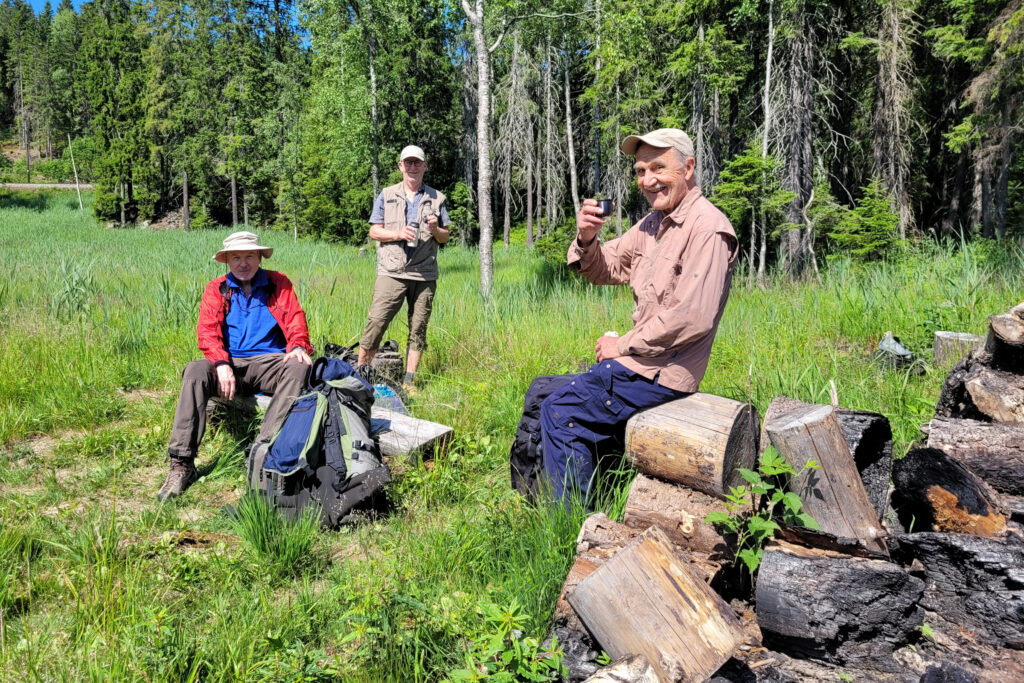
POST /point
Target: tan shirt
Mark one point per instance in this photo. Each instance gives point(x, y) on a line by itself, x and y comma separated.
point(679, 267)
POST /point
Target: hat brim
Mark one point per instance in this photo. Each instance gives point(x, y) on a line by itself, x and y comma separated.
point(222, 255)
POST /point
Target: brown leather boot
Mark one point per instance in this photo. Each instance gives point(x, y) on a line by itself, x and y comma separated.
point(182, 475)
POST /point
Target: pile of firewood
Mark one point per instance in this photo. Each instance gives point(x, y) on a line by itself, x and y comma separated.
point(920, 579)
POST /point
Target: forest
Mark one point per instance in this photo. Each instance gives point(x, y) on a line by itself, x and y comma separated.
point(820, 127)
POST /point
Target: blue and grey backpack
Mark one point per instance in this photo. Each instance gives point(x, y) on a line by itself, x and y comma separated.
point(324, 453)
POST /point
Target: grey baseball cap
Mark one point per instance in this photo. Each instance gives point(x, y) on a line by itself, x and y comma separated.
point(664, 138)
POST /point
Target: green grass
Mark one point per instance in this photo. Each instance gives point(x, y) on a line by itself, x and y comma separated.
point(96, 325)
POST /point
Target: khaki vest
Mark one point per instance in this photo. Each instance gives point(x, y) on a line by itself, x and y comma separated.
point(394, 259)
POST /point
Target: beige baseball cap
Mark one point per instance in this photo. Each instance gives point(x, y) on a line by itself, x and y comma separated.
point(664, 138)
point(412, 152)
point(242, 241)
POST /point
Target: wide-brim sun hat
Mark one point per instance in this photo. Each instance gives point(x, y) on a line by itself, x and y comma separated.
point(662, 138)
point(242, 241)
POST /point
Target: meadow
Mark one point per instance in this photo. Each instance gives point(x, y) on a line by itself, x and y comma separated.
point(99, 582)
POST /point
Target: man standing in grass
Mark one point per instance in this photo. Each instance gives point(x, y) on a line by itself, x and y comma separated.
point(254, 338)
point(678, 260)
point(409, 221)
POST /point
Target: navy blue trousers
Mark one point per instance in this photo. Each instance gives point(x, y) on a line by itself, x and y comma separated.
point(580, 420)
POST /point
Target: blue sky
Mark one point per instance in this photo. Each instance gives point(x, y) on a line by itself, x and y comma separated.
point(38, 5)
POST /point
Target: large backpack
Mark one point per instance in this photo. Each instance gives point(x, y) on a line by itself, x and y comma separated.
point(323, 453)
point(526, 458)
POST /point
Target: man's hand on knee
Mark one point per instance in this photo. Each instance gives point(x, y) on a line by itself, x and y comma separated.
point(299, 354)
point(226, 382)
point(607, 348)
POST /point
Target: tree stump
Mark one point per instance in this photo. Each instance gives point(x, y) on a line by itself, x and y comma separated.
point(698, 440)
point(998, 395)
point(950, 347)
point(834, 494)
point(647, 600)
point(628, 669)
point(840, 609)
point(934, 492)
point(676, 510)
point(974, 587)
point(869, 437)
point(994, 452)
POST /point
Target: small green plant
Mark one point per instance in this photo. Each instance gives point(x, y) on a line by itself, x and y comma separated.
point(927, 631)
point(754, 524)
point(286, 546)
point(504, 654)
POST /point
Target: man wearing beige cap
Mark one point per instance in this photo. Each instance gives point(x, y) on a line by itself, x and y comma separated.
point(678, 261)
point(408, 222)
point(254, 338)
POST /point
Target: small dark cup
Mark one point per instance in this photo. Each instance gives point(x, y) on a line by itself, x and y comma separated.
point(606, 206)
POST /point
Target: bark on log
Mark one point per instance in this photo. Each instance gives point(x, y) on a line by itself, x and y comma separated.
point(676, 510)
point(869, 437)
point(830, 606)
point(934, 492)
point(646, 600)
point(834, 494)
point(698, 440)
point(628, 669)
point(954, 400)
point(974, 587)
point(950, 347)
point(992, 451)
point(999, 395)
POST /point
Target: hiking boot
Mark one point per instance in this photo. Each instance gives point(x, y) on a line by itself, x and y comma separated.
point(182, 475)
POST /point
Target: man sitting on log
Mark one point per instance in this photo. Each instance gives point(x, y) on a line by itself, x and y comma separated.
point(253, 335)
point(678, 260)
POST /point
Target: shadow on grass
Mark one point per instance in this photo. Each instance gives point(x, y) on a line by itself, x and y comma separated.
point(33, 201)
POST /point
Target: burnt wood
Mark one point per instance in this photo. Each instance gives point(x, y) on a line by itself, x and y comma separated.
point(954, 400)
point(840, 609)
point(998, 395)
point(934, 492)
point(995, 452)
point(1005, 340)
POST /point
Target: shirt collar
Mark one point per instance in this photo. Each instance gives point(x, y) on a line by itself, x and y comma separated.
point(258, 280)
point(678, 214)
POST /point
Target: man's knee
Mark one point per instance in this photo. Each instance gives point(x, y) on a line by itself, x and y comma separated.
point(197, 371)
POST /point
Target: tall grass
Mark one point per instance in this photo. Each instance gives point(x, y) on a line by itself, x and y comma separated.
point(96, 324)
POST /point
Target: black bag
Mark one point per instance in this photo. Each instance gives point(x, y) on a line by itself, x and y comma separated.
point(526, 459)
point(324, 452)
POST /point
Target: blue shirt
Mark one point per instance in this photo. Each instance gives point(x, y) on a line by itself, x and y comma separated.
point(250, 328)
point(411, 210)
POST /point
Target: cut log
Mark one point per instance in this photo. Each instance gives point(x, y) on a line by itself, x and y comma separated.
point(950, 347)
point(999, 395)
point(830, 606)
point(398, 436)
point(834, 494)
point(1005, 341)
point(628, 669)
point(954, 400)
point(646, 600)
point(698, 440)
point(869, 437)
point(974, 587)
point(934, 492)
point(676, 510)
point(994, 452)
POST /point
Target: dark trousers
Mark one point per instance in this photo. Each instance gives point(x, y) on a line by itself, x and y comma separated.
point(580, 419)
point(267, 374)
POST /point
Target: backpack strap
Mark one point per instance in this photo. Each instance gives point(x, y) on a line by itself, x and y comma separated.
point(334, 433)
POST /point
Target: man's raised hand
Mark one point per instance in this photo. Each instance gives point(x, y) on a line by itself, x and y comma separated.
point(589, 221)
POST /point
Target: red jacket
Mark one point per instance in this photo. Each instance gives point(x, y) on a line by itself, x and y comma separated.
point(283, 305)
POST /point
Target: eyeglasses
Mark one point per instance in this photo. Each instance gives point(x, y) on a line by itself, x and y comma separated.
point(413, 163)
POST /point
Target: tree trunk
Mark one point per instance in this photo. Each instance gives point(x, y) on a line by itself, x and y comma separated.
point(507, 231)
point(371, 51)
point(568, 135)
point(799, 138)
point(529, 189)
point(934, 492)
point(699, 440)
point(549, 139)
point(647, 600)
point(186, 215)
point(952, 223)
point(951, 347)
point(234, 202)
point(825, 605)
point(475, 14)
